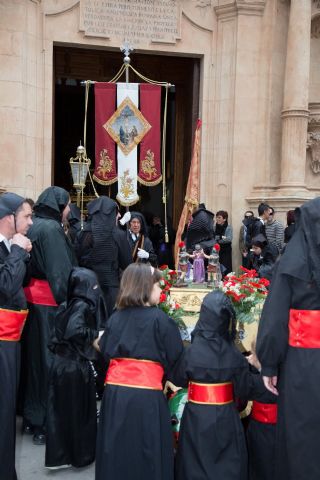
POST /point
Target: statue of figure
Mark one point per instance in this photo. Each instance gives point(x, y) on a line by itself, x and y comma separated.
point(213, 270)
point(313, 144)
point(198, 264)
point(183, 264)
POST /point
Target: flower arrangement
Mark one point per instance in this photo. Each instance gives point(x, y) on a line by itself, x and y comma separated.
point(247, 293)
point(167, 304)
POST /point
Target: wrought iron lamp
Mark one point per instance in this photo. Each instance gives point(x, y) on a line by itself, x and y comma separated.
point(79, 170)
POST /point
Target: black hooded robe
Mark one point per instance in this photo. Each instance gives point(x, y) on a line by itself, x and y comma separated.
point(142, 241)
point(296, 285)
point(103, 247)
point(134, 435)
point(261, 442)
point(71, 414)
point(12, 272)
point(212, 443)
point(52, 260)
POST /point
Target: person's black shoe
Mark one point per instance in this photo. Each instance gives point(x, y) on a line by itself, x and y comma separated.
point(27, 429)
point(39, 439)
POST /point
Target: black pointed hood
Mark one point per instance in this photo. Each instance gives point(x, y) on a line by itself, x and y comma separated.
point(51, 203)
point(302, 255)
point(217, 316)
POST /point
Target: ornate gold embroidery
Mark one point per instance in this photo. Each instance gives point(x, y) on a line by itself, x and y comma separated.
point(105, 163)
point(126, 187)
point(148, 165)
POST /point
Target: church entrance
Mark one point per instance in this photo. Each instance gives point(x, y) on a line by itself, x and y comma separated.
point(73, 65)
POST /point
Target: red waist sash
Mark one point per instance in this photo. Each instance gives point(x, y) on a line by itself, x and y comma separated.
point(210, 393)
point(264, 412)
point(304, 328)
point(11, 324)
point(39, 292)
point(131, 372)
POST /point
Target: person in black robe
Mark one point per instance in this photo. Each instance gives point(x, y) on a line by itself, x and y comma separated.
point(74, 222)
point(200, 229)
point(15, 219)
point(261, 431)
point(212, 443)
point(134, 439)
point(103, 247)
point(288, 348)
point(50, 266)
point(137, 235)
point(71, 414)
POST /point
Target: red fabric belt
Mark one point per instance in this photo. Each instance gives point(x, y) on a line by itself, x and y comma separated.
point(264, 412)
point(304, 328)
point(130, 372)
point(11, 324)
point(39, 292)
point(211, 394)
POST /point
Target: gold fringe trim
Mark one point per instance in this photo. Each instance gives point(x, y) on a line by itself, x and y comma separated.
point(127, 204)
point(104, 182)
point(148, 183)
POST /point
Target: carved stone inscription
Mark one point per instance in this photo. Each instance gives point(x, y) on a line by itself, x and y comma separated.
point(138, 21)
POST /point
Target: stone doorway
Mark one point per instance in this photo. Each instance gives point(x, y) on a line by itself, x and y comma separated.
point(72, 65)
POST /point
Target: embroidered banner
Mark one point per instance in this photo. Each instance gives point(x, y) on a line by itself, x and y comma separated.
point(127, 128)
point(149, 159)
point(105, 171)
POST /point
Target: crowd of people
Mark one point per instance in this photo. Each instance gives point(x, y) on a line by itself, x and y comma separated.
point(79, 306)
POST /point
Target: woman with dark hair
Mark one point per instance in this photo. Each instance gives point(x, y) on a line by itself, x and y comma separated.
point(223, 236)
point(212, 444)
point(289, 230)
point(50, 266)
point(141, 344)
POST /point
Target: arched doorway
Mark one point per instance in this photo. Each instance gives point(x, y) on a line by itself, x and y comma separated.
point(73, 65)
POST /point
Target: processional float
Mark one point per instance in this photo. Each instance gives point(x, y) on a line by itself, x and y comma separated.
point(128, 145)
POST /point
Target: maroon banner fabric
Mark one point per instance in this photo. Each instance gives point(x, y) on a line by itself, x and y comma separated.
point(149, 173)
point(105, 150)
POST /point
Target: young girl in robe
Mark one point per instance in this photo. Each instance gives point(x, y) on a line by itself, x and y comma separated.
point(72, 413)
point(141, 345)
point(212, 444)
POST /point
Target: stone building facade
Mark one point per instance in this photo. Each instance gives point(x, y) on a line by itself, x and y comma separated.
point(258, 95)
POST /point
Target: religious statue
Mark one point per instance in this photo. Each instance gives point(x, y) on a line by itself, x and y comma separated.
point(183, 264)
point(198, 264)
point(213, 270)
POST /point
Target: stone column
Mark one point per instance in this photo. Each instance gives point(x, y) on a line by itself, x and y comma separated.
point(296, 89)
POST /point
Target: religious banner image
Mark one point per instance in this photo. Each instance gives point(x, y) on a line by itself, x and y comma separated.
point(129, 128)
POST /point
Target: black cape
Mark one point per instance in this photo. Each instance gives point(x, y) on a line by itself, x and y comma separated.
point(296, 284)
point(12, 272)
point(103, 247)
point(71, 413)
point(134, 436)
point(212, 442)
point(52, 259)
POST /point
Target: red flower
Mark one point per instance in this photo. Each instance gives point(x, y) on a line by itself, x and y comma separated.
point(163, 297)
point(163, 267)
point(172, 273)
point(182, 244)
point(217, 247)
point(177, 305)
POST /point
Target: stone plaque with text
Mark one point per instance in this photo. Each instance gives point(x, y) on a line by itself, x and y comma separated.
point(138, 21)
